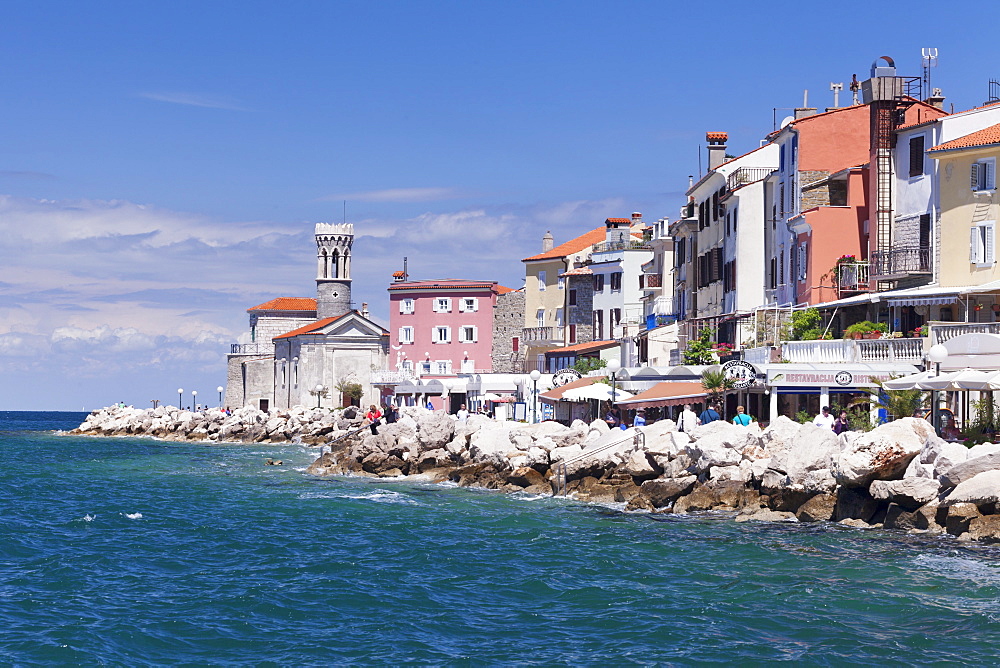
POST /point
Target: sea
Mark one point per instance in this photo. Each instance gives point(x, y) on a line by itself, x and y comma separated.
point(132, 551)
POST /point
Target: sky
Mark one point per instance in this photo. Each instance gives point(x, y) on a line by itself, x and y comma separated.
point(162, 165)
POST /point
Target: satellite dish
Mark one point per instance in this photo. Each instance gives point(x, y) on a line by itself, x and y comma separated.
point(785, 121)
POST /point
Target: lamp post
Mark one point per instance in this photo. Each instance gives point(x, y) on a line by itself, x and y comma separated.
point(534, 376)
point(180, 398)
point(194, 398)
point(613, 368)
point(319, 394)
point(219, 390)
point(936, 355)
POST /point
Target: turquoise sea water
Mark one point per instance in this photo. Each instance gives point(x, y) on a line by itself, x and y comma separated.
point(133, 551)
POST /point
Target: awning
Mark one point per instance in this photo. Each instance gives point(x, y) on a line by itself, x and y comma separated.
point(922, 296)
point(556, 394)
point(667, 394)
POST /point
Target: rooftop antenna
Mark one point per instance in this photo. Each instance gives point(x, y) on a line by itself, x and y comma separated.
point(855, 87)
point(345, 211)
point(836, 88)
point(929, 55)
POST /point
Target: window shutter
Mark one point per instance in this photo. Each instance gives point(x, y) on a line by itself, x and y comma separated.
point(989, 254)
point(475, 334)
point(975, 176)
point(989, 174)
point(974, 245)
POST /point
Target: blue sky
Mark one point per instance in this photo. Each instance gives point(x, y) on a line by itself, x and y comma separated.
point(162, 164)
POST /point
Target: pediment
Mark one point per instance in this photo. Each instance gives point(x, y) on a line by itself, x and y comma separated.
point(353, 325)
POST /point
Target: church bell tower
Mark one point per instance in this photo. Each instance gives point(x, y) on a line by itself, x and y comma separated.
point(333, 276)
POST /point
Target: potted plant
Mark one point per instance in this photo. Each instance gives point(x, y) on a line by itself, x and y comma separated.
point(866, 329)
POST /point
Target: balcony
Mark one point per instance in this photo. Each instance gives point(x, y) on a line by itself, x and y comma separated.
point(610, 246)
point(852, 277)
point(385, 377)
point(532, 334)
point(943, 331)
point(841, 351)
point(251, 349)
point(900, 262)
point(745, 175)
point(650, 281)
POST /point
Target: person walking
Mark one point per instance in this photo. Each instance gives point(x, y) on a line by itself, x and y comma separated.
point(824, 419)
point(687, 420)
point(742, 418)
point(373, 416)
point(710, 414)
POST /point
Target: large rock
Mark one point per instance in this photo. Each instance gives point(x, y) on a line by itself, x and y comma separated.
point(909, 493)
point(812, 449)
point(881, 454)
point(980, 489)
point(491, 444)
point(669, 444)
point(985, 529)
point(971, 467)
point(854, 503)
point(526, 477)
point(639, 465)
point(779, 435)
point(434, 430)
point(665, 491)
point(819, 508)
point(960, 516)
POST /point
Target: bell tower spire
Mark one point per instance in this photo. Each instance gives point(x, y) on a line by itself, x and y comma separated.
point(333, 271)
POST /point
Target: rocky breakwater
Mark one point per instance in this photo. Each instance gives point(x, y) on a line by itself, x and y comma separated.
point(898, 476)
point(246, 425)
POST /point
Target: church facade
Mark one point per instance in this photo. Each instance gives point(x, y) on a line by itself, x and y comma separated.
point(304, 351)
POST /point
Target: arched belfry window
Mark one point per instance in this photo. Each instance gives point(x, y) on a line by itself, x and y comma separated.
point(335, 265)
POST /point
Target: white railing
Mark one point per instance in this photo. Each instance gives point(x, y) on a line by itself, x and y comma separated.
point(391, 377)
point(542, 334)
point(840, 351)
point(251, 349)
point(942, 331)
point(761, 355)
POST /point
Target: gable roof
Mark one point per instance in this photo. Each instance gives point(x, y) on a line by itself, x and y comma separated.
point(323, 323)
point(582, 242)
point(286, 304)
point(981, 138)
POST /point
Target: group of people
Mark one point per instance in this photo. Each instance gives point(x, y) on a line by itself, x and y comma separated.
point(375, 416)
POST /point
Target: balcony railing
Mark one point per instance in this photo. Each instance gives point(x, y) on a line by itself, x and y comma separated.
point(649, 281)
point(394, 377)
point(634, 244)
point(900, 262)
point(840, 351)
point(942, 331)
point(745, 175)
point(258, 348)
point(852, 277)
point(542, 334)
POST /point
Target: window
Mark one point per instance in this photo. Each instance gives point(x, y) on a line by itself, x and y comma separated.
point(406, 306)
point(441, 334)
point(406, 335)
point(598, 282)
point(562, 282)
point(925, 230)
point(468, 305)
point(598, 325)
point(572, 334)
point(781, 158)
point(615, 316)
point(540, 317)
point(467, 334)
point(443, 367)
point(407, 365)
point(982, 244)
point(442, 305)
point(802, 262)
point(616, 280)
point(559, 317)
point(984, 174)
point(468, 366)
point(515, 344)
point(917, 155)
point(425, 367)
point(541, 280)
point(572, 297)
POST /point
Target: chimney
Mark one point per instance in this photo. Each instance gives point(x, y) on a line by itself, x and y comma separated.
point(364, 309)
point(936, 99)
point(547, 242)
point(716, 148)
point(637, 224)
point(805, 109)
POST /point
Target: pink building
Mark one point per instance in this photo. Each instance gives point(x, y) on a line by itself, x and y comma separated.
point(442, 327)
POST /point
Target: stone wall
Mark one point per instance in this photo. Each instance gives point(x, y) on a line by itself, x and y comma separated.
point(269, 327)
point(814, 195)
point(582, 315)
point(508, 320)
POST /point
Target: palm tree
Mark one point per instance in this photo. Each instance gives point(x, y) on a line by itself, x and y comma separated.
point(716, 383)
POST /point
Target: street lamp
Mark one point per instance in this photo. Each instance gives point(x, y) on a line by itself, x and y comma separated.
point(613, 367)
point(180, 398)
point(194, 398)
point(534, 376)
point(935, 356)
point(319, 394)
point(219, 390)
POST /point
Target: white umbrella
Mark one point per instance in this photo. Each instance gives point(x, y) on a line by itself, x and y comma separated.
point(598, 391)
point(910, 382)
point(490, 396)
point(965, 379)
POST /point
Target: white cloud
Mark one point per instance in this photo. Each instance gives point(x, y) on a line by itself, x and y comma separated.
point(193, 100)
point(396, 195)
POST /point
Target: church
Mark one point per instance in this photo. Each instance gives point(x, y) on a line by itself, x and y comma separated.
point(305, 351)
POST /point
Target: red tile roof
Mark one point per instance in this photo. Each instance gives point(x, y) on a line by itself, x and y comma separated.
point(308, 329)
point(444, 283)
point(579, 271)
point(502, 290)
point(582, 242)
point(287, 304)
point(590, 346)
point(986, 137)
point(618, 220)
